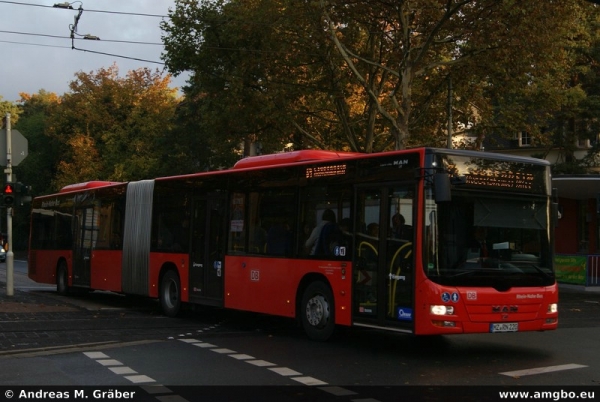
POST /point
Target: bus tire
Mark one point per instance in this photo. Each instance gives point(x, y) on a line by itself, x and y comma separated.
point(62, 279)
point(170, 294)
point(317, 311)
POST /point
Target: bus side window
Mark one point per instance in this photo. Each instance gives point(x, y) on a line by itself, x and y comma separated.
point(272, 216)
point(237, 224)
point(325, 233)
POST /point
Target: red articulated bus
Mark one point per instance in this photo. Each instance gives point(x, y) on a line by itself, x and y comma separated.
point(424, 241)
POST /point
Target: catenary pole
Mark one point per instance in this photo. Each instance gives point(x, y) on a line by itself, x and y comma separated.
point(9, 253)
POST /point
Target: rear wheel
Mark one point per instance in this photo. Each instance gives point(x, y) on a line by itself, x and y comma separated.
point(170, 294)
point(317, 311)
point(62, 279)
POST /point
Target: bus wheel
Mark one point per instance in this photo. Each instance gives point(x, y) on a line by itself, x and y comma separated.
point(317, 311)
point(62, 279)
point(170, 294)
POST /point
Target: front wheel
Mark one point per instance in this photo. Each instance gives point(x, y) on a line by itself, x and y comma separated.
point(317, 311)
point(170, 294)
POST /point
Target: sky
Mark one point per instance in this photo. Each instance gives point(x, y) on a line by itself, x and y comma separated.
point(36, 48)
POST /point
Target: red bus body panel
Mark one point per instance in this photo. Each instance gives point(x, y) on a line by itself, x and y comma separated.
point(106, 270)
point(270, 285)
point(475, 309)
point(42, 265)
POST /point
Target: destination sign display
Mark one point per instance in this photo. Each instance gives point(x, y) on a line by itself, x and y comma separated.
point(326, 171)
point(516, 180)
point(499, 174)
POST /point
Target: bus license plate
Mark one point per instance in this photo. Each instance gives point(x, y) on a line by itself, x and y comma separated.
point(505, 327)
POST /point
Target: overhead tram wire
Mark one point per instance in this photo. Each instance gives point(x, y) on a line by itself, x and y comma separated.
point(91, 11)
point(83, 37)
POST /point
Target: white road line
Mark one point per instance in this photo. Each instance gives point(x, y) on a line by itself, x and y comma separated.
point(241, 356)
point(204, 345)
point(542, 370)
point(260, 363)
point(96, 355)
point(189, 340)
point(338, 391)
point(223, 351)
point(109, 362)
point(137, 379)
point(308, 381)
point(284, 371)
point(122, 370)
point(171, 398)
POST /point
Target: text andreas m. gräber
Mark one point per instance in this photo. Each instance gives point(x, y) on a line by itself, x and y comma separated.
point(71, 394)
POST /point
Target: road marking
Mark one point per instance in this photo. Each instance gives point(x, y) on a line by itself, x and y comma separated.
point(96, 355)
point(118, 368)
point(137, 379)
point(109, 362)
point(542, 370)
point(260, 363)
point(171, 398)
point(241, 356)
point(122, 370)
point(308, 381)
point(189, 340)
point(223, 351)
point(204, 345)
point(339, 391)
point(284, 371)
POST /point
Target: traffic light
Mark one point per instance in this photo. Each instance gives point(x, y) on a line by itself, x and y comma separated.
point(8, 194)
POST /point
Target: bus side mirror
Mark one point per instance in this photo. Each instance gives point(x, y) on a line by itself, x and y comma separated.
point(441, 187)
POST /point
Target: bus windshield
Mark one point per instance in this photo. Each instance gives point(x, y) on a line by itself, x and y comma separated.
point(489, 241)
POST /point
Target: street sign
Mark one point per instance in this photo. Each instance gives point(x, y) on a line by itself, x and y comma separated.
point(19, 148)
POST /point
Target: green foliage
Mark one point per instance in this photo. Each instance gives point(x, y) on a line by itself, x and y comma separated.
point(113, 128)
point(368, 76)
point(8, 107)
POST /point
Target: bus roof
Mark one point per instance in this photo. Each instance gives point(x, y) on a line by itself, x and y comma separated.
point(87, 185)
point(291, 157)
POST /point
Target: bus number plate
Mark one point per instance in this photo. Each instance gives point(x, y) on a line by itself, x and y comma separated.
point(505, 327)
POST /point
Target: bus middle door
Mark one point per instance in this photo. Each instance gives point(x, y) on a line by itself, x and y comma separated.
point(85, 234)
point(208, 250)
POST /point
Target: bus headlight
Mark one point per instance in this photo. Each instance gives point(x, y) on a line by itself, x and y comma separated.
point(441, 310)
point(552, 308)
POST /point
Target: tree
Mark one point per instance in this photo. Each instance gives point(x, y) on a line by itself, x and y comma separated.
point(114, 128)
point(362, 75)
point(8, 107)
point(39, 168)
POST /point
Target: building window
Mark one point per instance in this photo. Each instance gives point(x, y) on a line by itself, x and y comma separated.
point(525, 139)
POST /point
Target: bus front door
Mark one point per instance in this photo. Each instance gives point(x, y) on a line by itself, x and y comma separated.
point(383, 279)
point(208, 251)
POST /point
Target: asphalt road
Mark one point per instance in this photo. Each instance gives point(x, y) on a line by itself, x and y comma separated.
point(103, 339)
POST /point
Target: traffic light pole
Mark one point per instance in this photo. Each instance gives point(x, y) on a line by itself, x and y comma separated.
point(10, 257)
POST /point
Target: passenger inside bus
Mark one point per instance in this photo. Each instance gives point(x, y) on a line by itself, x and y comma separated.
point(312, 242)
point(279, 239)
point(478, 246)
point(400, 230)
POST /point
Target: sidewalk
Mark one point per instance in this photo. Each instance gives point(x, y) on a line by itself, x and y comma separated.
point(28, 303)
